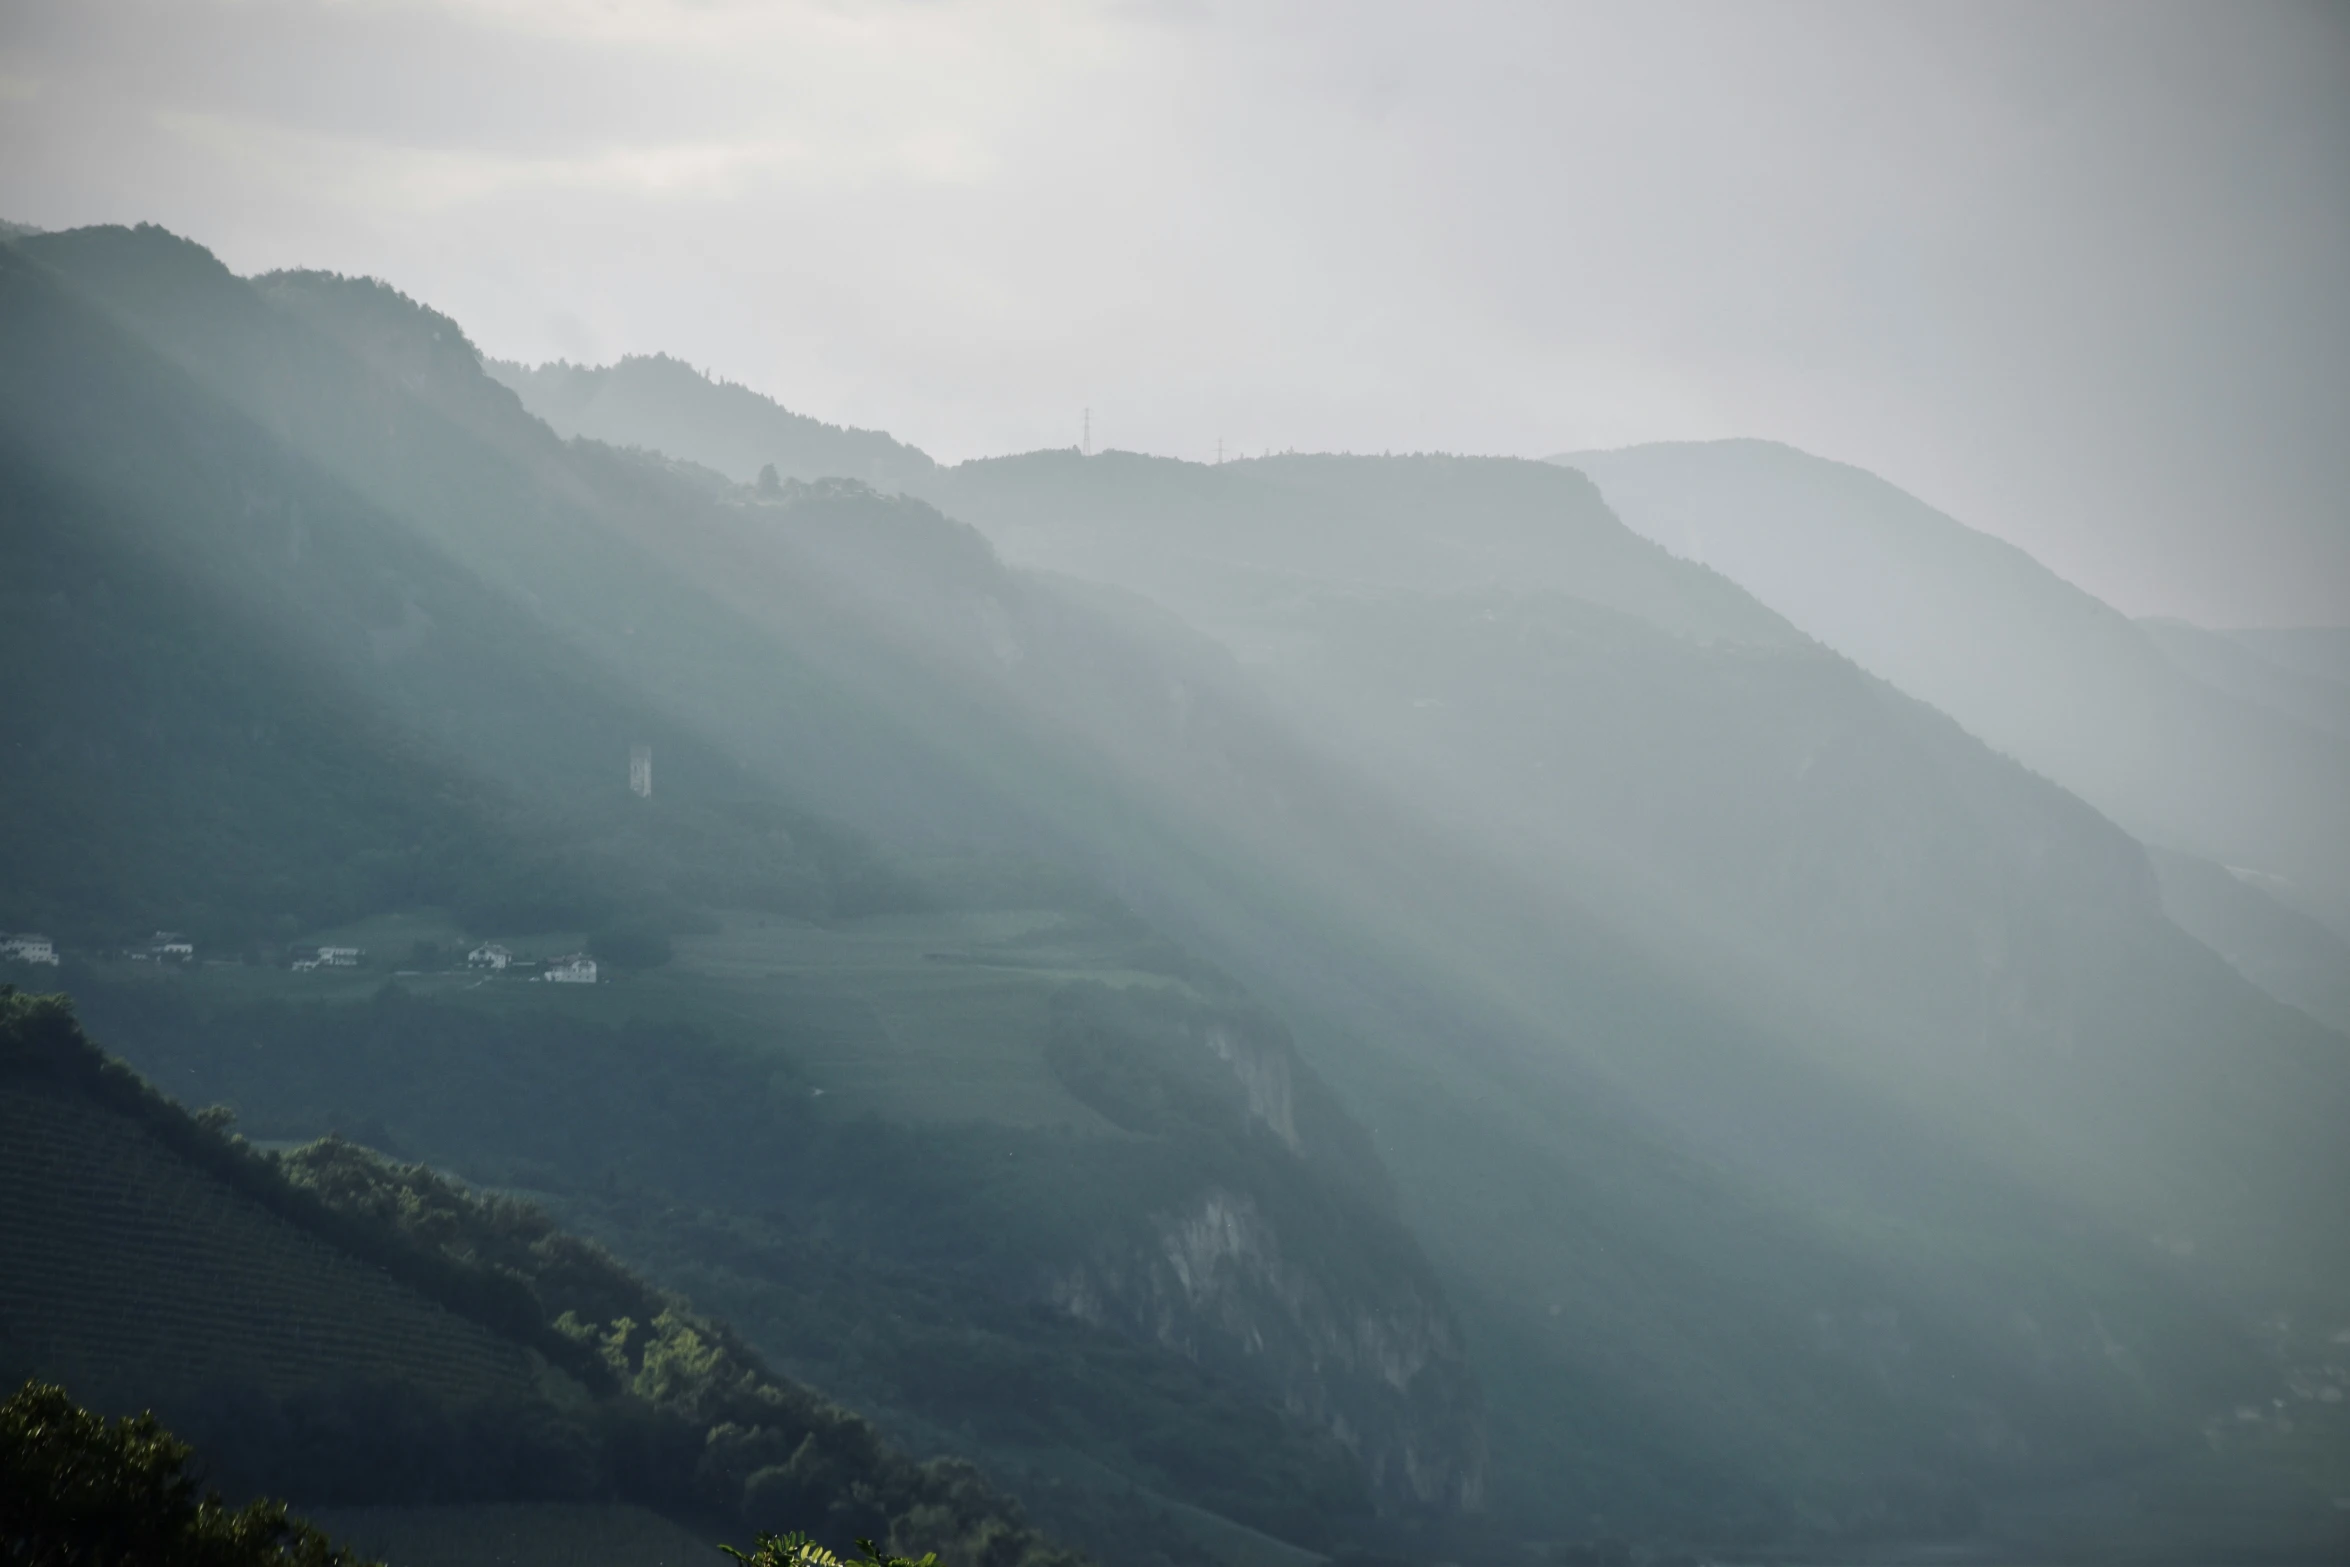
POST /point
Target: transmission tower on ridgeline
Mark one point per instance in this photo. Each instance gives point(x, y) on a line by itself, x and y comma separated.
point(1086, 446)
point(640, 771)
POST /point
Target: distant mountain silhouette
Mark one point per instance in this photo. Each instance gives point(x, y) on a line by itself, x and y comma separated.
point(2302, 674)
point(665, 404)
point(2032, 664)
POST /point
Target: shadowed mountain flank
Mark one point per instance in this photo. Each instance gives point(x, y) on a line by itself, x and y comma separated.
point(342, 1330)
point(1176, 1233)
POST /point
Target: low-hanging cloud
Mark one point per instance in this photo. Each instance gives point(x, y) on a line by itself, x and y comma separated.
point(2072, 273)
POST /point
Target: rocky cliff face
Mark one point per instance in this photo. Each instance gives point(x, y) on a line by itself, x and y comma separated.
point(1292, 1278)
point(1385, 1377)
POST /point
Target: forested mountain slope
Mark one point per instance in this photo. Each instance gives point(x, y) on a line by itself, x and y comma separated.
point(254, 704)
point(1705, 922)
point(1802, 1122)
point(1551, 688)
point(339, 1330)
point(2038, 668)
point(512, 613)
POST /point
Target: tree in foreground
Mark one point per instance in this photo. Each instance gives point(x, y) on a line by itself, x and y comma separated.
point(79, 1490)
point(797, 1550)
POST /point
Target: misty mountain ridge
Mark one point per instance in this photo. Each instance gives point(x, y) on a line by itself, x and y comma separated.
point(654, 401)
point(2031, 663)
point(971, 499)
point(2300, 673)
point(1175, 579)
point(1194, 566)
point(1377, 990)
point(1263, 553)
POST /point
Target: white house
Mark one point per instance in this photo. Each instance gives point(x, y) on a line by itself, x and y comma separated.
point(171, 944)
point(28, 947)
point(577, 969)
point(340, 957)
point(489, 955)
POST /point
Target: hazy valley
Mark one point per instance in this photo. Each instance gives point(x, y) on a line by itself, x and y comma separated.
point(1415, 1008)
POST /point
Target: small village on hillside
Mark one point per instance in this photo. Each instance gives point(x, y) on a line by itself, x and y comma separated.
point(28, 947)
point(488, 959)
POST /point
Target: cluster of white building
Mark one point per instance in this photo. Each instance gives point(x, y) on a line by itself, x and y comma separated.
point(575, 968)
point(26, 946)
point(30, 946)
point(169, 946)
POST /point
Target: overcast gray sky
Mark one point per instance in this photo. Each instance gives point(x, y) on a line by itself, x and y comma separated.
point(2076, 273)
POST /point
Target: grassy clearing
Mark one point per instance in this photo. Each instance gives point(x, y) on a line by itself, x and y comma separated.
point(925, 1017)
point(930, 1017)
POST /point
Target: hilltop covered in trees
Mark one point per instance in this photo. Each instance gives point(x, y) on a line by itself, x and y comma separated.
point(638, 1397)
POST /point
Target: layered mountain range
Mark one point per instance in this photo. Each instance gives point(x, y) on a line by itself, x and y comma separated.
point(2231, 747)
point(1324, 1004)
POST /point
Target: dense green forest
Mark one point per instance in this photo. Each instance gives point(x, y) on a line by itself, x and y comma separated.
point(668, 1408)
point(902, 1270)
point(78, 1490)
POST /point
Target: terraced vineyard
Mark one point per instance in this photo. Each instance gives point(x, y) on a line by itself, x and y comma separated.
point(132, 1277)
